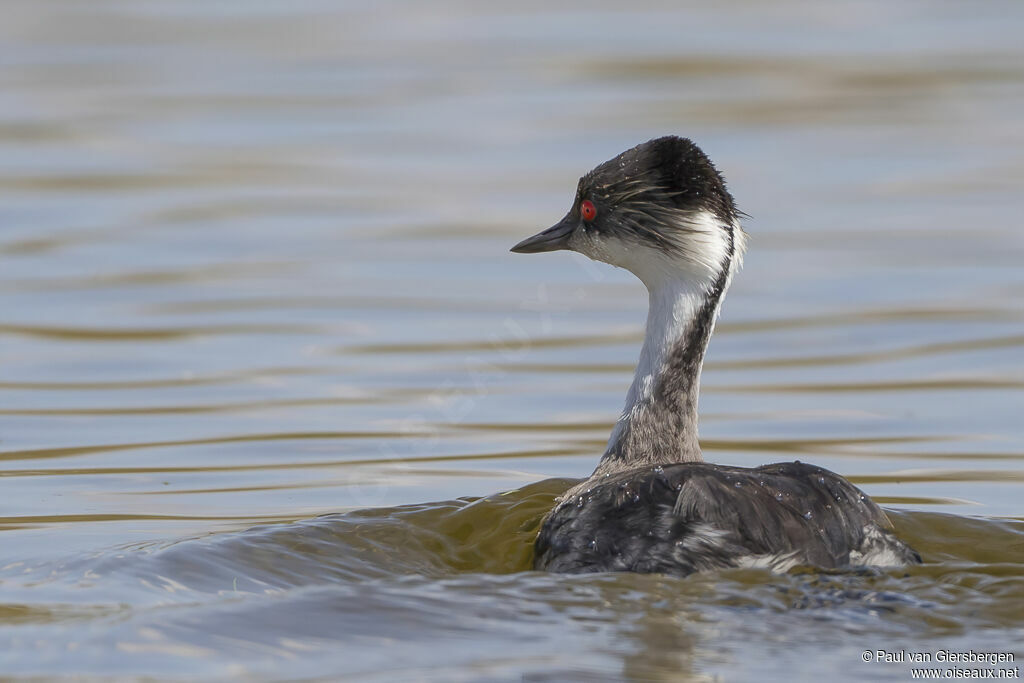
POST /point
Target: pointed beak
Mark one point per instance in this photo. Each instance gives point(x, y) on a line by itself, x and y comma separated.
point(554, 238)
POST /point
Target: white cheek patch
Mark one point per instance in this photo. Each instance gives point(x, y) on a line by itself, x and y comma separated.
point(705, 241)
point(703, 247)
point(592, 245)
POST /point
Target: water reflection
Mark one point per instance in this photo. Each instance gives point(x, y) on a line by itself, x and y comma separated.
point(452, 573)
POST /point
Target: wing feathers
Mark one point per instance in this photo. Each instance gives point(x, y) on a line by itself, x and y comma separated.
point(688, 517)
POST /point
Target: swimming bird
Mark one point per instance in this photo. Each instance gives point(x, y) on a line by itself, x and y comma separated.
point(662, 211)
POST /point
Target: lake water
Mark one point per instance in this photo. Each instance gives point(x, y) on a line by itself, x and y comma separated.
point(276, 401)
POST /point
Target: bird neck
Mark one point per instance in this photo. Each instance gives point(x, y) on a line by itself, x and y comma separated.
point(659, 422)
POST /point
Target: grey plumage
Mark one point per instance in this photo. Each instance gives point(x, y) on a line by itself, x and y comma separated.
point(690, 517)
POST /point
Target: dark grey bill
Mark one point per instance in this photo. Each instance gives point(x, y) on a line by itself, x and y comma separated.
point(554, 238)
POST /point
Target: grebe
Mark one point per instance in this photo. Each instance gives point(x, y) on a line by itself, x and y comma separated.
point(661, 210)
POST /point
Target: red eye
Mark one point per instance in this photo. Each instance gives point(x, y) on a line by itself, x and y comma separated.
point(588, 211)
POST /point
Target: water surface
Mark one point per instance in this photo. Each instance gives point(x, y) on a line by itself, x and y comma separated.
point(275, 400)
